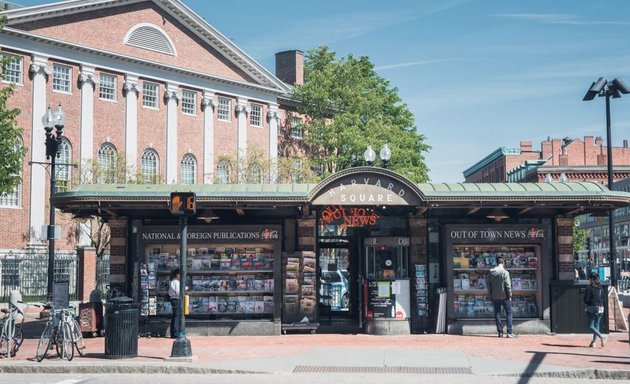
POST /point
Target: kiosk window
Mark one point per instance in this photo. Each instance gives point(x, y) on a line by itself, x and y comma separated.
point(387, 262)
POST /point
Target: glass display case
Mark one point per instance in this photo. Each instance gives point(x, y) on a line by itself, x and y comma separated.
point(471, 265)
point(225, 279)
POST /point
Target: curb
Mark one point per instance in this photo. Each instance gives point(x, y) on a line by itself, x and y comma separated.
point(593, 374)
point(122, 369)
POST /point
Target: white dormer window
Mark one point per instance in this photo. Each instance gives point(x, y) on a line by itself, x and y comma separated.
point(150, 37)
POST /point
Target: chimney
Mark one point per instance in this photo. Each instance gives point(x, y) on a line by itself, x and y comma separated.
point(526, 146)
point(625, 143)
point(601, 157)
point(546, 150)
point(556, 150)
point(290, 67)
point(563, 160)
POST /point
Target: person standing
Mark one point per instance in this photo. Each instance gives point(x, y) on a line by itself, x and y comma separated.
point(500, 289)
point(173, 294)
point(594, 298)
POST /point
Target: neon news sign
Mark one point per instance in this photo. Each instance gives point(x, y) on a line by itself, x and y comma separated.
point(351, 217)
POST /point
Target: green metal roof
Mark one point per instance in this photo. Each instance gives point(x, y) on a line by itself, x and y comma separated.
point(538, 198)
point(512, 189)
point(226, 190)
point(279, 191)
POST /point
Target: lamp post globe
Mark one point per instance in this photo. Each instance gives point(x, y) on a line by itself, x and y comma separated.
point(385, 154)
point(59, 117)
point(369, 155)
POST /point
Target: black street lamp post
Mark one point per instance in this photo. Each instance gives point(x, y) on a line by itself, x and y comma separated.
point(50, 120)
point(609, 89)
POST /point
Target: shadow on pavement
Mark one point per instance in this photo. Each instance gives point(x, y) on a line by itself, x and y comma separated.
point(581, 354)
point(563, 345)
point(611, 362)
point(532, 367)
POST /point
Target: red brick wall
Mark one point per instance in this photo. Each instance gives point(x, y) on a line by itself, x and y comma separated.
point(225, 135)
point(106, 30)
point(190, 135)
point(16, 234)
point(258, 136)
point(87, 272)
point(152, 126)
point(109, 117)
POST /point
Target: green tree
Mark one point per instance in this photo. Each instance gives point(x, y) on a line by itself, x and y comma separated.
point(12, 150)
point(579, 237)
point(348, 107)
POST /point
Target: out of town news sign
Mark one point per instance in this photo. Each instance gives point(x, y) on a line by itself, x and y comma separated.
point(367, 189)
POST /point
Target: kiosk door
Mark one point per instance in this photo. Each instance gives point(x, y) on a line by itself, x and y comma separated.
point(338, 289)
point(387, 283)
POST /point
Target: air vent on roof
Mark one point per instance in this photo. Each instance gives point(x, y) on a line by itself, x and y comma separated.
point(151, 37)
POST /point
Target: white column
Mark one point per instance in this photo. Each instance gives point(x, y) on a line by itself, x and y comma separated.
point(274, 117)
point(39, 72)
point(85, 233)
point(171, 97)
point(130, 88)
point(87, 82)
point(242, 109)
point(208, 104)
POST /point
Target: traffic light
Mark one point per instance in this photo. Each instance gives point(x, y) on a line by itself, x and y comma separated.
point(183, 203)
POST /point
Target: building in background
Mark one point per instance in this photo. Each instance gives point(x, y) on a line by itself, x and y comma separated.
point(558, 160)
point(152, 93)
point(597, 245)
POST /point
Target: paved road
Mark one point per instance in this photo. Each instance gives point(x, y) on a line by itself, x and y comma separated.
point(284, 379)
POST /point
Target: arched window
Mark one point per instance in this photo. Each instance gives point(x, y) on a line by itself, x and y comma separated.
point(256, 174)
point(151, 37)
point(107, 164)
point(189, 169)
point(12, 199)
point(150, 166)
point(224, 171)
point(63, 172)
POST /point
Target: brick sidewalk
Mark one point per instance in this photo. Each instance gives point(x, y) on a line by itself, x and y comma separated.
point(567, 351)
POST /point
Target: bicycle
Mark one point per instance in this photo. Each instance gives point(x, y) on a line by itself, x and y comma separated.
point(11, 336)
point(77, 335)
point(62, 330)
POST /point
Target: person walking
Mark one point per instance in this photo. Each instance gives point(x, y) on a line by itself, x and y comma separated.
point(500, 289)
point(173, 294)
point(594, 298)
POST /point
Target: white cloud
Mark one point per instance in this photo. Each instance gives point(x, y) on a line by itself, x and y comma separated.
point(310, 33)
point(409, 64)
point(556, 18)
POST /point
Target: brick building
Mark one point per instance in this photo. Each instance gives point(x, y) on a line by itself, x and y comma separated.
point(567, 159)
point(151, 92)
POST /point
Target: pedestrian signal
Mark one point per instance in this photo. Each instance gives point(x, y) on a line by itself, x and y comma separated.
point(183, 203)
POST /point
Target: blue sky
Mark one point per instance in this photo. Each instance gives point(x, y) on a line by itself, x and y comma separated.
point(477, 74)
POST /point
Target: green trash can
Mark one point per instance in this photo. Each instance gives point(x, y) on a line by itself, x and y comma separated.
point(121, 328)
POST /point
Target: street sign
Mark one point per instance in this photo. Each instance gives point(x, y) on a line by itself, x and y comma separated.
point(183, 203)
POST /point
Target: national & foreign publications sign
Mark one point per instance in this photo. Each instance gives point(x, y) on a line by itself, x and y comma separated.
point(259, 234)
